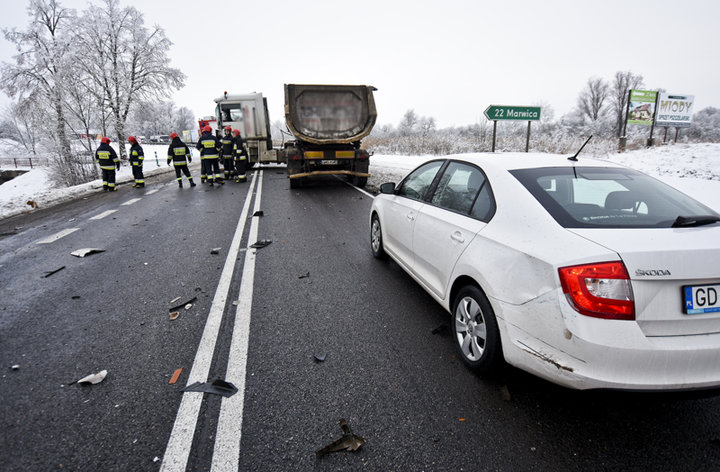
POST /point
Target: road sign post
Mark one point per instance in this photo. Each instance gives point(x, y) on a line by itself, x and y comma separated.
point(514, 113)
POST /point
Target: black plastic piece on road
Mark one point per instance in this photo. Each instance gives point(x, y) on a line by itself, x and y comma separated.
point(259, 213)
point(182, 305)
point(51, 272)
point(348, 441)
point(261, 244)
point(216, 387)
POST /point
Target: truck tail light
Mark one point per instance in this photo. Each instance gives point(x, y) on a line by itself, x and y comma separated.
point(600, 290)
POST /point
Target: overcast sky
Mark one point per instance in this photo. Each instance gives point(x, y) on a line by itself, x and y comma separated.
point(447, 59)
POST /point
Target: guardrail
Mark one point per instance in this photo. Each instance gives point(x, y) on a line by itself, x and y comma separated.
point(17, 162)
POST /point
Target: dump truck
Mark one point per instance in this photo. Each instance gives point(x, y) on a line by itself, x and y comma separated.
point(328, 122)
point(248, 113)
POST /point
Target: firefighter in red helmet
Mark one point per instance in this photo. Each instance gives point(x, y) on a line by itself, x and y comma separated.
point(109, 161)
point(226, 153)
point(137, 156)
point(179, 154)
point(209, 147)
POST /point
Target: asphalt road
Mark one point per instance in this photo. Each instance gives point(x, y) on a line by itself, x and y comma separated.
point(315, 289)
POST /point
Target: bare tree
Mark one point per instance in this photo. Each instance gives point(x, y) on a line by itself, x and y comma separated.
point(41, 74)
point(592, 98)
point(623, 83)
point(408, 124)
point(22, 122)
point(127, 61)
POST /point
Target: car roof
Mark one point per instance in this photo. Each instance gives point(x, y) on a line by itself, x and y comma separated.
point(523, 160)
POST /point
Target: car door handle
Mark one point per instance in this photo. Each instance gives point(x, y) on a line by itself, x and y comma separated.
point(457, 236)
point(410, 216)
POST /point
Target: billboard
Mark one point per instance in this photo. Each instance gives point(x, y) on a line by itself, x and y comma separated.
point(674, 110)
point(642, 107)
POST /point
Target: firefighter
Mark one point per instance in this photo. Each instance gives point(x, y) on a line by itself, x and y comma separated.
point(179, 154)
point(226, 153)
point(137, 156)
point(209, 147)
point(108, 160)
point(240, 156)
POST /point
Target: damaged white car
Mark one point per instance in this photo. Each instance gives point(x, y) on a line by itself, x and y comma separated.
point(583, 272)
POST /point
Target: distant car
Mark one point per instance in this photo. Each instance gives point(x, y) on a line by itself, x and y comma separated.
point(585, 273)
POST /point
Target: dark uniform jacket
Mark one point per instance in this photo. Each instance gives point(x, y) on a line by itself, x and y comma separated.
point(227, 147)
point(178, 152)
point(239, 147)
point(137, 156)
point(107, 157)
point(209, 146)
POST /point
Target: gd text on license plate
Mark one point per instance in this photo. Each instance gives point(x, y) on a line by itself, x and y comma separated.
point(701, 299)
point(328, 162)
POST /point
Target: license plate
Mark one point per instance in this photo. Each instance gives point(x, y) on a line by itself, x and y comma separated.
point(328, 162)
point(701, 299)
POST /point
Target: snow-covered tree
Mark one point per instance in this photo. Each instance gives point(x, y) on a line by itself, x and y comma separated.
point(622, 84)
point(41, 74)
point(591, 102)
point(127, 61)
point(408, 124)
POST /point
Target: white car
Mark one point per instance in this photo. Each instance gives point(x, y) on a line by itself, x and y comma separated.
point(583, 272)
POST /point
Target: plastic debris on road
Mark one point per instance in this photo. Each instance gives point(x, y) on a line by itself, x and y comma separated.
point(320, 357)
point(181, 304)
point(175, 375)
point(86, 251)
point(94, 378)
point(51, 272)
point(261, 244)
point(174, 315)
point(216, 387)
point(188, 306)
point(15, 367)
point(215, 250)
point(348, 441)
point(259, 213)
point(305, 276)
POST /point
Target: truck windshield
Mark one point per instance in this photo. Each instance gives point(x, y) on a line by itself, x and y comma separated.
point(231, 112)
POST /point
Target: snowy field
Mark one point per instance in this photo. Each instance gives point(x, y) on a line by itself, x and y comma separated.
point(692, 168)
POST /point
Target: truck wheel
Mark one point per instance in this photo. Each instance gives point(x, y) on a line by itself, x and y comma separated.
point(359, 181)
point(376, 241)
point(477, 337)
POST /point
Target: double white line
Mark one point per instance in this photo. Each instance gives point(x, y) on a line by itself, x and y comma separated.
point(227, 440)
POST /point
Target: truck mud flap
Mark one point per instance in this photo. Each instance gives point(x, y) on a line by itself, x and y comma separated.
point(328, 172)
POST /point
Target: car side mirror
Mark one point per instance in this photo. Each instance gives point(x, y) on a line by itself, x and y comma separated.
point(388, 188)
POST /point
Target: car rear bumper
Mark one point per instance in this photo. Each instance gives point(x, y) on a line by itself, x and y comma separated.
point(587, 353)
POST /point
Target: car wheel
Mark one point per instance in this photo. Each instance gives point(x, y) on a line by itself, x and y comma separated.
point(476, 332)
point(376, 241)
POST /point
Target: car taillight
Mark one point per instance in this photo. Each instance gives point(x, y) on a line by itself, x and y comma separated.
point(601, 290)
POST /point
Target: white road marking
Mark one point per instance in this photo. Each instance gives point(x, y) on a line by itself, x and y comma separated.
point(130, 202)
point(152, 191)
point(57, 236)
point(180, 442)
point(103, 215)
point(226, 454)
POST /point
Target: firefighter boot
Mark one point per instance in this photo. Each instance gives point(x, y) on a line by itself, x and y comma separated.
point(179, 183)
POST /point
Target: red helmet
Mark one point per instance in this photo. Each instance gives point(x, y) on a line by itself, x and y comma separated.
point(227, 128)
point(207, 129)
point(105, 140)
point(132, 139)
point(235, 131)
point(173, 135)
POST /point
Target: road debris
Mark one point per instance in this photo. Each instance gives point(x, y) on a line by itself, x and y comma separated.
point(76, 297)
point(51, 272)
point(174, 299)
point(94, 378)
point(261, 244)
point(216, 387)
point(174, 315)
point(215, 250)
point(175, 375)
point(440, 329)
point(86, 252)
point(33, 204)
point(15, 367)
point(182, 304)
point(307, 275)
point(259, 213)
point(188, 306)
point(348, 441)
point(320, 357)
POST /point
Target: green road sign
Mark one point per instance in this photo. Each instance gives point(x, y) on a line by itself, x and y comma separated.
point(502, 112)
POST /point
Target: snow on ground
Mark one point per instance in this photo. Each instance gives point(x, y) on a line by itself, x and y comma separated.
point(692, 168)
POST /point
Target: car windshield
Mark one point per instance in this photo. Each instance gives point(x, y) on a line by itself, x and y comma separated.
point(603, 197)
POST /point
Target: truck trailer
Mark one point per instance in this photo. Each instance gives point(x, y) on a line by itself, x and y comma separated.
point(328, 122)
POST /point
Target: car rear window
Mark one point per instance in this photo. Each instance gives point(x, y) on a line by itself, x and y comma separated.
point(601, 197)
